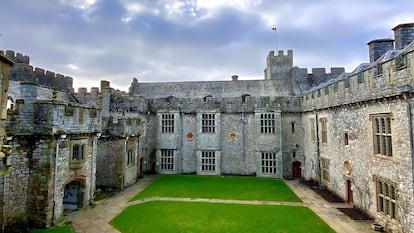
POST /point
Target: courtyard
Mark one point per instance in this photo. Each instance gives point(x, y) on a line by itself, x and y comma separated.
point(148, 207)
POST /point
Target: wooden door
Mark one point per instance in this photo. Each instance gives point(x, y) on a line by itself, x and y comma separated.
point(296, 170)
point(350, 197)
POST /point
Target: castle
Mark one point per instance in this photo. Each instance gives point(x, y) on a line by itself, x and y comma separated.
point(351, 132)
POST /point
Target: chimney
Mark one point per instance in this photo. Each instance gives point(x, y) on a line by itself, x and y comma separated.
point(403, 34)
point(379, 47)
point(234, 77)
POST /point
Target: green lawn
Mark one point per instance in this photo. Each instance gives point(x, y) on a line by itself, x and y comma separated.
point(182, 217)
point(219, 187)
point(61, 229)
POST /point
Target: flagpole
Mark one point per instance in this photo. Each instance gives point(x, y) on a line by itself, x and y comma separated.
point(274, 29)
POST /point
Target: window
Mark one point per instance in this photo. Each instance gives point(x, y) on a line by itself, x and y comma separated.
point(167, 123)
point(312, 129)
point(325, 169)
point(208, 123)
point(292, 126)
point(346, 139)
point(93, 113)
point(386, 198)
point(80, 116)
point(208, 161)
point(382, 134)
point(167, 160)
point(269, 163)
point(324, 130)
point(78, 152)
point(267, 123)
point(130, 159)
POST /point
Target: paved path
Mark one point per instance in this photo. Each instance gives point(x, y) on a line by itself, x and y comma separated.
point(328, 211)
point(96, 219)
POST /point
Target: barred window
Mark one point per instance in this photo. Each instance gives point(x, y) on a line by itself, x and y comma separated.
point(324, 130)
point(382, 134)
point(167, 123)
point(269, 163)
point(312, 129)
point(325, 169)
point(167, 160)
point(267, 123)
point(208, 161)
point(386, 198)
point(208, 123)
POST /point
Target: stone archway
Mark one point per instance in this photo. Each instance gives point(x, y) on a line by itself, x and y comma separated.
point(296, 170)
point(73, 195)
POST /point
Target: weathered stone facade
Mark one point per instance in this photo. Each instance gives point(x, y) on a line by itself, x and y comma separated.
point(351, 132)
point(53, 142)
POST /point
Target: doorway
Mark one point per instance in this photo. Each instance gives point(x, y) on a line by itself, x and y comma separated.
point(296, 170)
point(349, 196)
point(72, 198)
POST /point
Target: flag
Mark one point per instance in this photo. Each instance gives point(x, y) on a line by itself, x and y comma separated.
point(274, 28)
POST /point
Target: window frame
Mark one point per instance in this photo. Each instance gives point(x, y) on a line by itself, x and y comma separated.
point(386, 195)
point(208, 161)
point(208, 123)
point(167, 160)
point(268, 162)
point(167, 123)
point(267, 123)
point(324, 130)
point(382, 134)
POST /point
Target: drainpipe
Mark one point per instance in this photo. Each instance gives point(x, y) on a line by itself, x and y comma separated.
point(243, 121)
point(60, 139)
point(7, 159)
point(94, 147)
point(4, 202)
point(318, 149)
point(123, 162)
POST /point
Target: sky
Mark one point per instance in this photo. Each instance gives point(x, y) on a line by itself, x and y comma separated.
point(192, 40)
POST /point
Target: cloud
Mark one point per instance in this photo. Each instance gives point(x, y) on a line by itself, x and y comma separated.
point(183, 40)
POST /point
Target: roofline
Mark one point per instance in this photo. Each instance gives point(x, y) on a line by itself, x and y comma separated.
point(6, 60)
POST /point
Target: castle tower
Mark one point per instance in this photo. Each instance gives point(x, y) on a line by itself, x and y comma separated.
point(278, 67)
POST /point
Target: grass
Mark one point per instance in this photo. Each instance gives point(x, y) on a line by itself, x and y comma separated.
point(183, 217)
point(227, 187)
point(61, 229)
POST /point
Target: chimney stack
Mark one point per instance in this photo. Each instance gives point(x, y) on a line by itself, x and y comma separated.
point(379, 47)
point(403, 34)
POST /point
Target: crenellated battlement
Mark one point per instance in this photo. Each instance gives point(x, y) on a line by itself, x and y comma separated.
point(382, 79)
point(22, 71)
point(17, 57)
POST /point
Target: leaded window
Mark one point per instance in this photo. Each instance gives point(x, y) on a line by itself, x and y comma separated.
point(386, 198)
point(208, 123)
point(269, 163)
point(167, 123)
point(78, 152)
point(325, 170)
point(382, 134)
point(324, 130)
point(208, 161)
point(167, 160)
point(267, 123)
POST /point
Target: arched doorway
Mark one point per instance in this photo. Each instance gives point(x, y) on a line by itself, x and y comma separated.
point(296, 170)
point(73, 195)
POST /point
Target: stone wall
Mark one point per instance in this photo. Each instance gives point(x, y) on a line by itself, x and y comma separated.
point(109, 162)
point(22, 71)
